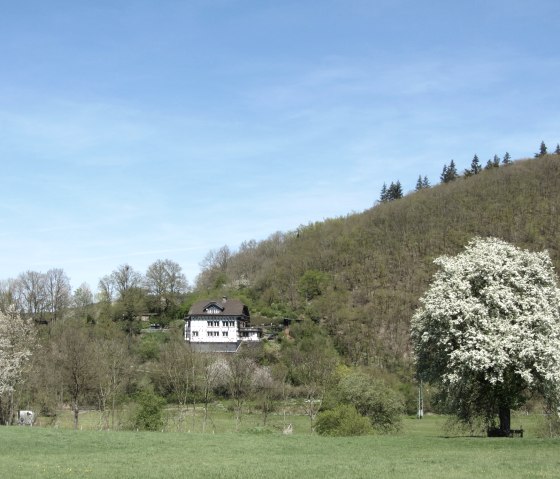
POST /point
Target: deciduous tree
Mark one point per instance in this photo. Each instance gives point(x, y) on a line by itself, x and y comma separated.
point(237, 375)
point(17, 340)
point(8, 295)
point(57, 291)
point(311, 361)
point(83, 299)
point(176, 364)
point(76, 363)
point(31, 293)
point(113, 367)
point(488, 330)
point(166, 282)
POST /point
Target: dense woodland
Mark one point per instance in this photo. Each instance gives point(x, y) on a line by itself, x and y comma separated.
point(354, 282)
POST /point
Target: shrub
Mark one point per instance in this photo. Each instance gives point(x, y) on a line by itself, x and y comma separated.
point(374, 399)
point(343, 420)
point(148, 415)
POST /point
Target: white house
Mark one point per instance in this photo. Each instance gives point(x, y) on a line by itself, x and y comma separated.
point(219, 326)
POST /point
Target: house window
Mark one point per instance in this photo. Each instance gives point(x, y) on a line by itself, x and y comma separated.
point(224, 333)
point(195, 333)
point(213, 323)
point(213, 333)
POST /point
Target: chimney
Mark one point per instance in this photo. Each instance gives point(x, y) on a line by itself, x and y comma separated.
point(224, 299)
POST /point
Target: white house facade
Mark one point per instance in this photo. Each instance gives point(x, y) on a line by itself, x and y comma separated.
point(219, 326)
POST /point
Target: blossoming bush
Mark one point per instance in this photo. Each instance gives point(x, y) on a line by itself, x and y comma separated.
point(488, 330)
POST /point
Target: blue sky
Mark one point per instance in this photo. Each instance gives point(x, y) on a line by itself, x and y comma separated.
point(132, 131)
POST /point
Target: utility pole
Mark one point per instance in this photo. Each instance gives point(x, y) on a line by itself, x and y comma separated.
point(420, 413)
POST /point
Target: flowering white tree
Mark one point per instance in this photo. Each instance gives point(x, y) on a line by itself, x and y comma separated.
point(17, 337)
point(488, 330)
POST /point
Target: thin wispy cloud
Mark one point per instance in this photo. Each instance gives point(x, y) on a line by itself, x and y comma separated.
point(130, 132)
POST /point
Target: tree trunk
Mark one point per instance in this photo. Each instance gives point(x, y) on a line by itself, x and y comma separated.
point(504, 414)
point(76, 410)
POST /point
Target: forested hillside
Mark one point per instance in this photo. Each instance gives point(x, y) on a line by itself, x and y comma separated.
point(361, 276)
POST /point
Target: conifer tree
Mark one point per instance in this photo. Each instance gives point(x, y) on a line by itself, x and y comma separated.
point(395, 191)
point(542, 150)
point(452, 171)
point(398, 190)
point(383, 196)
point(557, 150)
point(507, 159)
point(419, 184)
point(489, 165)
point(443, 176)
point(425, 182)
point(496, 161)
point(449, 173)
point(475, 165)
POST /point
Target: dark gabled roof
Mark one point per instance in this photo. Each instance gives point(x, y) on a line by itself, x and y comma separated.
point(229, 307)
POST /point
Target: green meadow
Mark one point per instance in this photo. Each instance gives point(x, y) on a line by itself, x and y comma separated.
point(423, 449)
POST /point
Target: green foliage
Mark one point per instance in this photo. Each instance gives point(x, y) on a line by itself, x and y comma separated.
point(542, 150)
point(149, 345)
point(383, 194)
point(422, 183)
point(343, 420)
point(475, 166)
point(311, 357)
point(449, 173)
point(550, 424)
point(148, 414)
point(373, 399)
point(312, 284)
point(394, 192)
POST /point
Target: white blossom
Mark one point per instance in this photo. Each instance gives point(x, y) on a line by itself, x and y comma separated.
point(17, 337)
point(491, 314)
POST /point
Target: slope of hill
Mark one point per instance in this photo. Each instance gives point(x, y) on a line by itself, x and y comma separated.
point(361, 275)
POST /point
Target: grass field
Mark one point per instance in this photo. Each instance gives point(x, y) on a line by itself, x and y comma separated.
point(421, 450)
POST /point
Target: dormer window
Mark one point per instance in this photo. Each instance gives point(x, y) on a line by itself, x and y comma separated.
point(213, 308)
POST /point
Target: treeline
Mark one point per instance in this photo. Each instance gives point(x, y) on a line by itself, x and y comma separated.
point(360, 276)
point(121, 296)
point(450, 173)
point(130, 378)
